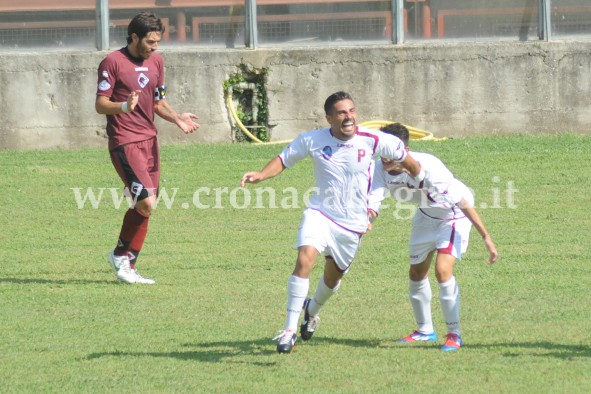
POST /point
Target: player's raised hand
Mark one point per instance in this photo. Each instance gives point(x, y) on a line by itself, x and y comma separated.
point(186, 122)
point(132, 100)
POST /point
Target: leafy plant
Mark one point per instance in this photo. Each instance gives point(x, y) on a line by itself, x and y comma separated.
point(244, 98)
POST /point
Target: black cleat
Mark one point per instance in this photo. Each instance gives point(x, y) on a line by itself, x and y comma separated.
point(310, 323)
point(287, 341)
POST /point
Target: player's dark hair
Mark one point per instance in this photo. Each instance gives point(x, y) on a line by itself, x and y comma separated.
point(144, 23)
point(397, 130)
point(335, 98)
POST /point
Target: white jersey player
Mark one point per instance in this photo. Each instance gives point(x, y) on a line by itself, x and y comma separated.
point(337, 215)
point(441, 226)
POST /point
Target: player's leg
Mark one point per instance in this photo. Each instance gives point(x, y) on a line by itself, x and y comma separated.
point(342, 246)
point(297, 290)
point(328, 285)
point(151, 157)
point(449, 296)
point(299, 285)
point(139, 231)
point(421, 251)
point(420, 296)
point(130, 162)
point(453, 241)
point(311, 242)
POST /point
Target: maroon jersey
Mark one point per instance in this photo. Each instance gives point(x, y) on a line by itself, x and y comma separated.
point(118, 75)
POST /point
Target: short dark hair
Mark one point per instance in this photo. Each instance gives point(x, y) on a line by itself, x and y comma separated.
point(335, 98)
point(144, 23)
point(397, 130)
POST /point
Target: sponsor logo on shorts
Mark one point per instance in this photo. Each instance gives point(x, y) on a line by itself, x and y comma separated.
point(136, 188)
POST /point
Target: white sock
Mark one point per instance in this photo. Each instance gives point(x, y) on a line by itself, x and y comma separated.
point(420, 299)
point(322, 294)
point(449, 295)
point(297, 290)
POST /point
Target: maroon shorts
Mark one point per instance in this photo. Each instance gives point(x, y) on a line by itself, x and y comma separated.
point(138, 166)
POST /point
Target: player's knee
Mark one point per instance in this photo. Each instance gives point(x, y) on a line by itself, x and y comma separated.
point(146, 212)
point(443, 275)
point(417, 273)
point(144, 207)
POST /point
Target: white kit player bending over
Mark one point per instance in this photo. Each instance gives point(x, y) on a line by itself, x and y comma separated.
point(337, 215)
point(441, 226)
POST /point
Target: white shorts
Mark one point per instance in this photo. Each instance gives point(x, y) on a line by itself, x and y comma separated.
point(445, 236)
point(328, 238)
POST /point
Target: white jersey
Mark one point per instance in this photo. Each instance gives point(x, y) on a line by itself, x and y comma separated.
point(403, 188)
point(343, 171)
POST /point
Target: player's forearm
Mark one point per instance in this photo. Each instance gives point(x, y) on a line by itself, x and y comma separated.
point(473, 216)
point(107, 107)
point(165, 111)
point(411, 165)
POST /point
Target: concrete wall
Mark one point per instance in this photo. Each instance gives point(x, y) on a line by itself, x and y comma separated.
point(450, 89)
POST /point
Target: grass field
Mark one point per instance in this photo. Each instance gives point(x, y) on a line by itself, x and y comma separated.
point(66, 325)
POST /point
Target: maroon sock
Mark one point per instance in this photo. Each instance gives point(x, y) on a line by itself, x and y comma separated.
point(137, 242)
point(133, 233)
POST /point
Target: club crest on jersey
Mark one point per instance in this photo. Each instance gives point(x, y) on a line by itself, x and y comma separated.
point(104, 85)
point(327, 152)
point(143, 80)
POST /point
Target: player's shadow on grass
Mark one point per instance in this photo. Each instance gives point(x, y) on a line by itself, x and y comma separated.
point(563, 351)
point(208, 352)
point(511, 349)
point(234, 351)
point(240, 351)
point(56, 281)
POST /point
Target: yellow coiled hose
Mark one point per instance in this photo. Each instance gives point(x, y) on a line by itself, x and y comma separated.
point(415, 134)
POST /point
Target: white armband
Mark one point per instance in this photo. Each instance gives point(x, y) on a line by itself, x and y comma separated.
point(125, 107)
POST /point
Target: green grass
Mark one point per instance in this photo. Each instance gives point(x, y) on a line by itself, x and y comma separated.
point(66, 325)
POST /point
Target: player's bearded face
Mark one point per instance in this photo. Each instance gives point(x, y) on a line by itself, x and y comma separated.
point(149, 44)
point(343, 119)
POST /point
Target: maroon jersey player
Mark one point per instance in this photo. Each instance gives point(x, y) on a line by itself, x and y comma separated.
point(130, 91)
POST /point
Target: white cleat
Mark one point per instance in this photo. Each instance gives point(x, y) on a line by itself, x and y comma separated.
point(114, 261)
point(120, 265)
point(141, 279)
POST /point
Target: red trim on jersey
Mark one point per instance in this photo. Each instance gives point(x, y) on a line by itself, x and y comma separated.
point(375, 138)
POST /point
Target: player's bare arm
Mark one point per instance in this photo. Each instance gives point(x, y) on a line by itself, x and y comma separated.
point(474, 217)
point(273, 168)
point(411, 166)
point(185, 121)
point(104, 106)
